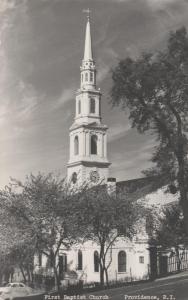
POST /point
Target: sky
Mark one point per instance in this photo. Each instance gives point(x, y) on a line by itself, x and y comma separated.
point(41, 48)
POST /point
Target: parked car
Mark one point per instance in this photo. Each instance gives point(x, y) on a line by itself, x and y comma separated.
point(14, 289)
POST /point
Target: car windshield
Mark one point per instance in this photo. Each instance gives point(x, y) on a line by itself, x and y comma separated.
point(15, 285)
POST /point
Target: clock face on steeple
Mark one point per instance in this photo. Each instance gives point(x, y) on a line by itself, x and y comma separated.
point(94, 176)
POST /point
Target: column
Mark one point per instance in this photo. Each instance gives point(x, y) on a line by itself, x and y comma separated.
point(100, 144)
point(71, 146)
point(76, 107)
point(97, 105)
point(87, 143)
point(105, 146)
point(81, 148)
point(84, 143)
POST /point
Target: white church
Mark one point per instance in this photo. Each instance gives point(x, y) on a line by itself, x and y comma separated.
point(88, 161)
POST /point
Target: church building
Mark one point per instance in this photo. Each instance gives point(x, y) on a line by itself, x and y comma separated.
point(88, 162)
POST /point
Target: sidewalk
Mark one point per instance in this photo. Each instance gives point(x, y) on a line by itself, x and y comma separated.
point(174, 276)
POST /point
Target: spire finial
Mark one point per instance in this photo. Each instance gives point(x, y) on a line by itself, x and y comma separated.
point(87, 11)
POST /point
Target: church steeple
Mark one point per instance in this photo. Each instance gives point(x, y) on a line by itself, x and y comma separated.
point(88, 45)
point(88, 69)
point(88, 136)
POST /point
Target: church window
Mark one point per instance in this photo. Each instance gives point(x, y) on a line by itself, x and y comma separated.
point(92, 105)
point(96, 261)
point(50, 260)
point(91, 76)
point(141, 259)
point(122, 261)
point(62, 264)
point(99, 108)
point(76, 145)
point(93, 144)
point(74, 177)
point(86, 76)
point(79, 107)
point(80, 259)
point(40, 259)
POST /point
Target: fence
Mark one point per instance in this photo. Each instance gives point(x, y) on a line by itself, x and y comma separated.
point(175, 265)
point(165, 263)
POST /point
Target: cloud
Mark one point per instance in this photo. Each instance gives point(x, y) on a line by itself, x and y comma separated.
point(133, 156)
point(6, 5)
point(159, 4)
point(65, 97)
point(16, 115)
point(117, 131)
point(152, 3)
point(111, 53)
point(28, 101)
point(18, 98)
point(118, 0)
point(102, 73)
point(3, 112)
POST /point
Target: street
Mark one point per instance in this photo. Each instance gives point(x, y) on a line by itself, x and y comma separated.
point(172, 288)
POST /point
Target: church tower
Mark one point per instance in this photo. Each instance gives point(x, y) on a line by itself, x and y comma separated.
point(88, 136)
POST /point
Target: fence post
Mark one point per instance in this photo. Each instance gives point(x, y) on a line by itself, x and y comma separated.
point(131, 274)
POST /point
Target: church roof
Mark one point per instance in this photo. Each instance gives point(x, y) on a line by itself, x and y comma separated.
point(149, 188)
point(142, 186)
point(137, 183)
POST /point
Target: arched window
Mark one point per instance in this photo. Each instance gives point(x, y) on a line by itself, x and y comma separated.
point(74, 177)
point(93, 144)
point(92, 105)
point(122, 261)
point(76, 145)
point(96, 261)
point(50, 260)
point(82, 78)
point(62, 264)
point(86, 76)
point(40, 259)
point(91, 76)
point(79, 107)
point(80, 258)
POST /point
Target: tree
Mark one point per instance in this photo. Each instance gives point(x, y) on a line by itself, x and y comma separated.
point(12, 243)
point(155, 90)
point(106, 216)
point(171, 231)
point(40, 211)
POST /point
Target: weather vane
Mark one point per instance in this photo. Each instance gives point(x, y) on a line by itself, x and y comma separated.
point(87, 11)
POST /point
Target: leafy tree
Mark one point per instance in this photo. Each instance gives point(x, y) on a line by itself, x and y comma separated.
point(154, 88)
point(170, 232)
point(40, 211)
point(106, 216)
point(12, 241)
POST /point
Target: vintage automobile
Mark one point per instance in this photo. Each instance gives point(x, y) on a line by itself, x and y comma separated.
point(13, 290)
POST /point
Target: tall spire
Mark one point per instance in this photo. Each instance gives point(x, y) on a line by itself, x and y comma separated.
point(88, 70)
point(88, 46)
point(88, 136)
